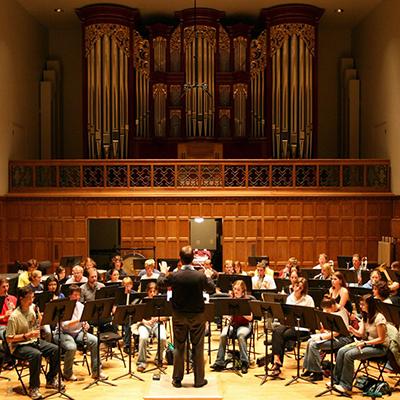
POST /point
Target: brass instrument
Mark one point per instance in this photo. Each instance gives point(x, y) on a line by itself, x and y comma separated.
point(383, 269)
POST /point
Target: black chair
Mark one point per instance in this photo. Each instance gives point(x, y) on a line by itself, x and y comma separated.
point(111, 340)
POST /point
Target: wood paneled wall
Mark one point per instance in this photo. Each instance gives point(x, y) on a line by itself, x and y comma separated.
point(279, 227)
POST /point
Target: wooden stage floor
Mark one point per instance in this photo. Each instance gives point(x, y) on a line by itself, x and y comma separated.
point(225, 385)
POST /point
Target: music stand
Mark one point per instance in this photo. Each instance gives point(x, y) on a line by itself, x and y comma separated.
point(42, 298)
point(209, 314)
point(232, 307)
point(258, 293)
point(144, 283)
point(128, 315)
point(65, 288)
point(107, 292)
point(333, 323)
point(299, 316)
point(390, 311)
point(350, 275)
point(274, 297)
point(281, 284)
point(95, 311)
point(319, 283)
point(225, 281)
point(55, 312)
point(160, 307)
point(267, 311)
point(344, 262)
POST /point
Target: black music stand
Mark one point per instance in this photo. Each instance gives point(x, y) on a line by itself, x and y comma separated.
point(225, 282)
point(209, 314)
point(232, 307)
point(333, 323)
point(55, 312)
point(390, 311)
point(128, 315)
point(258, 293)
point(42, 298)
point(274, 297)
point(299, 316)
point(145, 282)
point(267, 311)
point(107, 292)
point(160, 307)
point(96, 311)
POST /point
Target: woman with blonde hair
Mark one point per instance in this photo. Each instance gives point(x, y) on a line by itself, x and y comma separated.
point(326, 272)
point(239, 327)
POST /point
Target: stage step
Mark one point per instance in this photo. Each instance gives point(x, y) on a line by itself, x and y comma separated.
point(163, 389)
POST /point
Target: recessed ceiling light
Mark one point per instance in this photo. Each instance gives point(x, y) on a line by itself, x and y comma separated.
point(58, 10)
point(340, 10)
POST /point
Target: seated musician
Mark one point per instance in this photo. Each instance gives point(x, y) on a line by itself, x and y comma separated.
point(8, 303)
point(23, 278)
point(262, 281)
point(35, 278)
point(326, 272)
point(61, 274)
point(381, 291)
point(150, 273)
point(75, 332)
point(374, 277)
point(339, 291)
point(240, 327)
point(77, 276)
point(127, 283)
point(285, 272)
point(312, 357)
point(374, 343)
point(114, 277)
point(209, 271)
point(89, 289)
point(53, 286)
point(238, 268)
point(117, 264)
point(87, 263)
point(150, 327)
point(283, 334)
point(228, 267)
point(22, 334)
point(149, 270)
point(293, 278)
point(322, 259)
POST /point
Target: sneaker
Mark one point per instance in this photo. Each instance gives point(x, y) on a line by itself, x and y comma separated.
point(102, 376)
point(306, 373)
point(35, 394)
point(53, 384)
point(71, 378)
point(341, 389)
point(141, 367)
point(217, 367)
point(245, 368)
point(316, 376)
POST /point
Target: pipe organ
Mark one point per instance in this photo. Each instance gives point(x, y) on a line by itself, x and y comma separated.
point(197, 78)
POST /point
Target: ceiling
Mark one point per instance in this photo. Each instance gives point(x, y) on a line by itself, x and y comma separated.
point(43, 10)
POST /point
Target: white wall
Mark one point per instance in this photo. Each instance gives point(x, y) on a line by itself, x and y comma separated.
point(334, 44)
point(23, 50)
point(65, 45)
point(376, 43)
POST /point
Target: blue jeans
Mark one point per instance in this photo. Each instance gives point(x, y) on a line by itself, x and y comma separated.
point(144, 334)
point(312, 357)
point(344, 368)
point(242, 332)
point(68, 344)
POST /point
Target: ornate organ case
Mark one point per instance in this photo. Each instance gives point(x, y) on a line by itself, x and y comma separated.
point(253, 89)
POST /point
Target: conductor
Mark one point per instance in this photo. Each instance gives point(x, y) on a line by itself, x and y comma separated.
point(188, 307)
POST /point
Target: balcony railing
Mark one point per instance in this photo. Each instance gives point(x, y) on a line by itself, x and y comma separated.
point(251, 175)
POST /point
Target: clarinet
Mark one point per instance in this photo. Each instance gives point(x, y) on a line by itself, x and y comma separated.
point(37, 323)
